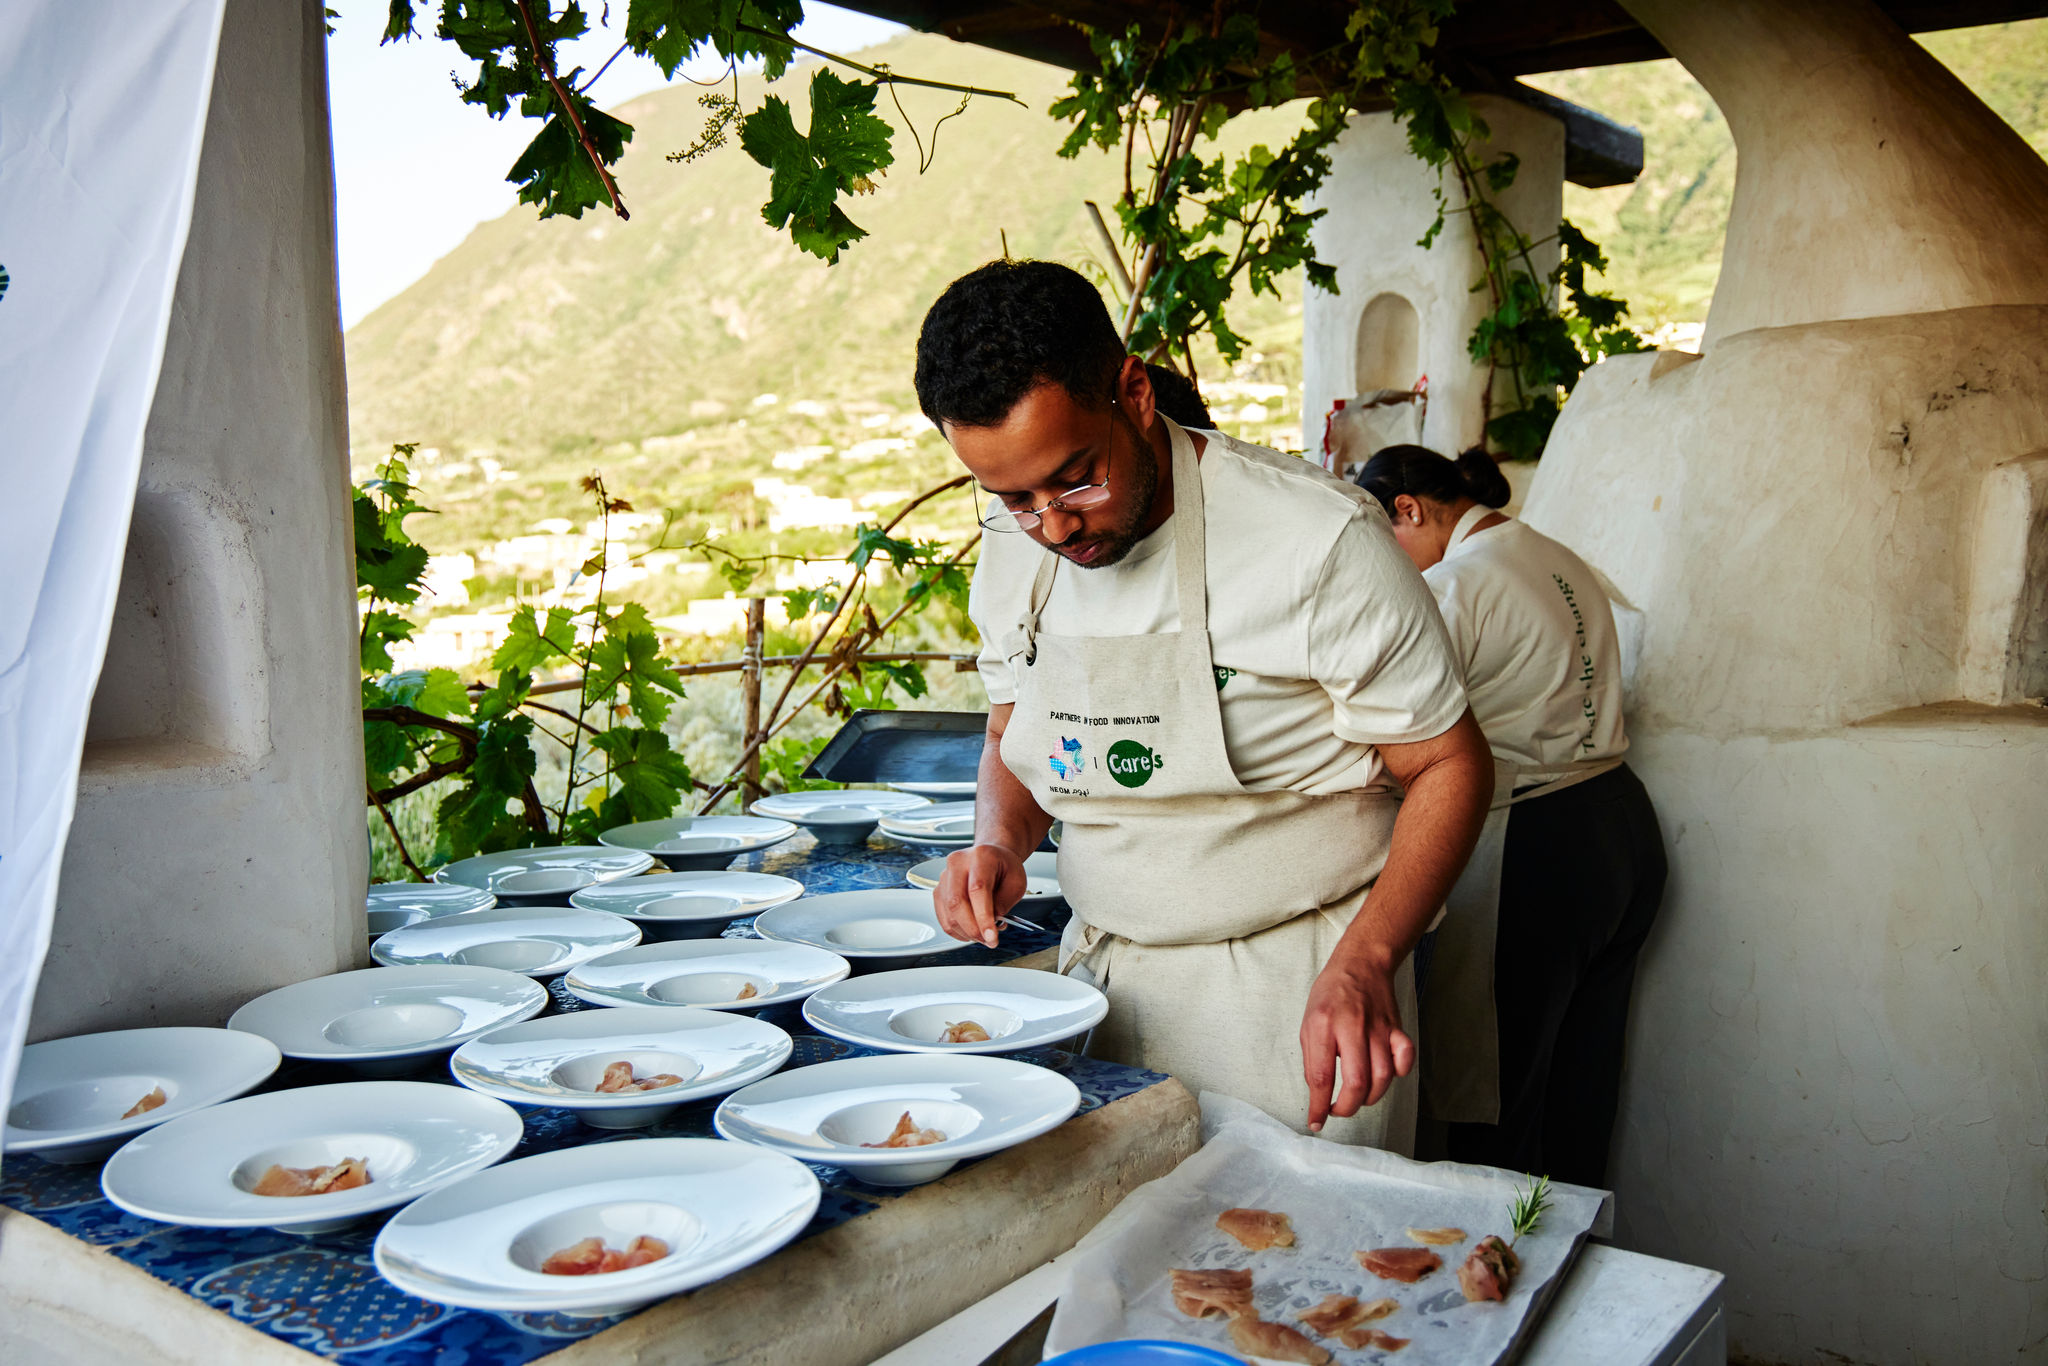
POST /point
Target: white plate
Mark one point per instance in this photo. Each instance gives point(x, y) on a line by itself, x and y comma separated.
point(702, 842)
point(889, 923)
point(385, 1018)
point(825, 1112)
point(415, 1135)
point(1041, 876)
point(937, 791)
point(906, 1011)
point(479, 1243)
point(689, 905)
point(795, 806)
point(70, 1094)
point(544, 877)
point(540, 941)
point(560, 1060)
point(392, 905)
point(709, 973)
point(940, 820)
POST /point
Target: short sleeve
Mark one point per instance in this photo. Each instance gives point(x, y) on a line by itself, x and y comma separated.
point(1377, 644)
point(997, 680)
point(1454, 603)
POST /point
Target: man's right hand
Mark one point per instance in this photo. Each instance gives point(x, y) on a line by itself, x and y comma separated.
point(975, 893)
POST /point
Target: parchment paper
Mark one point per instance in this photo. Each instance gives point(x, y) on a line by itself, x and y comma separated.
point(1341, 1200)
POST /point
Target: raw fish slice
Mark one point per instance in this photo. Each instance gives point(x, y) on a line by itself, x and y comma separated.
point(1405, 1264)
point(1257, 1229)
point(645, 1250)
point(149, 1102)
point(1277, 1341)
point(907, 1135)
point(617, 1077)
point(1357, 1338)
point(657, 1081)
point(1199, 1294)
point(578, 1259)
point(1489, 1272)
point(967, 1031)
point(747, 993)
point(345, 1175)
point(1437, 1237)
point(1339, 1313)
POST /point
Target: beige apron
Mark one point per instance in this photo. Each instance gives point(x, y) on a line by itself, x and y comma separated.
point(1461, 1050)
point(1203, 909)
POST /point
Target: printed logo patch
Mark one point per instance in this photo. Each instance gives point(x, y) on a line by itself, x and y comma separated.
point(1069, 760)
point(1133, 764)
point(1223, 676)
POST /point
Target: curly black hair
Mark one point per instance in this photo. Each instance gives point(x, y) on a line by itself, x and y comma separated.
point(1002, 330)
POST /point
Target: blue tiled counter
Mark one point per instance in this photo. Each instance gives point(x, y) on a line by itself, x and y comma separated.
point(875, 1266)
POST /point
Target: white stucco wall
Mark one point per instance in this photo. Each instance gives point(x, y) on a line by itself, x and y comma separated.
point(1826, 531)
point(218, 846)
point(1380, 201)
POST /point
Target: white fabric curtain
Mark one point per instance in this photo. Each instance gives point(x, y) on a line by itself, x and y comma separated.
point(102, 107)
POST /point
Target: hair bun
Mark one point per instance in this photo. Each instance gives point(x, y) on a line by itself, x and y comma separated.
point(1481, 475)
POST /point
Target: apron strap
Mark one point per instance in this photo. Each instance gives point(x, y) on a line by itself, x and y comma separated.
point(1578, 773)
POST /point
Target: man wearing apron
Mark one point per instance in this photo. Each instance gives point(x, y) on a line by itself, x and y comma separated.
point(1525, 1063)
point(1211, 662)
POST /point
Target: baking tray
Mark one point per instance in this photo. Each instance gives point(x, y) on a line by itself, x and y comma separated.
point(903, 747)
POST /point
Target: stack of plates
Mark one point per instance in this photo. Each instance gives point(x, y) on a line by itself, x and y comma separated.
point(540, 941)
point(879, 929)
point(698, 842)
point(71, 1096)
point(943, 825)
point(544, 877)
point(388, 1020)
point(688, 905)
point(394, 905)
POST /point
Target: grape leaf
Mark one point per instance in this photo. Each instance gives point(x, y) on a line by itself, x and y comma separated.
point(530, 644)
point(846, 146)
point(648, 776)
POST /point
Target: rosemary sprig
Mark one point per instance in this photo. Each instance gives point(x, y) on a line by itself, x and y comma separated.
point(1525, 1211)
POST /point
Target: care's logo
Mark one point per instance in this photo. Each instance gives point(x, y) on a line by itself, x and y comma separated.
point(1133, 764)
point(1069, 760)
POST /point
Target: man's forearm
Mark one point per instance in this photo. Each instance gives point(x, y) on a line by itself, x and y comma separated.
point(1433, 837)
point(1005, 812)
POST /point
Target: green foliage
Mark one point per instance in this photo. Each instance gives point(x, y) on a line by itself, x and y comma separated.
point(786, 757)
point(1526, 1210)
point(846, 148)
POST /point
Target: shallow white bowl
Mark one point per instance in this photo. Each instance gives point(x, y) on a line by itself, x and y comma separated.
point(698, 842)
point(479, 1243)
point(544, 877)
point(416, 1135)
point(386, 1019)
point(824, 1113)
point(906, 1011)
point(795, 806)
point(559, 1060)
point(709, 973)
point(70, 1094)
point(540, 941)
point(938, 792)
point(887, 926)
point(394, 905)
point(688, 905)
point(1041, 876)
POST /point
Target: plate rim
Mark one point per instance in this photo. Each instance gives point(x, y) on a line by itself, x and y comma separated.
point(759, 1003)
point(1099, 1008)
point(947, 945)
point(746, 845)
point(408, 1050)
point(377, 949)
point(689, 1091)
point(749, 907)
point(146, 1120)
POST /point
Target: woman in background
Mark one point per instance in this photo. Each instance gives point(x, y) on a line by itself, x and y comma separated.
point(1527, 999)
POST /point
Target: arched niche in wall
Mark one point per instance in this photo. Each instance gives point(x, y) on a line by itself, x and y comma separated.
point(185, 680)
point(2005, 639)
point(1389, 354)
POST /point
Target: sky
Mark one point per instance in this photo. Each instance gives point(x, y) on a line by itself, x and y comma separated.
point(415, 169)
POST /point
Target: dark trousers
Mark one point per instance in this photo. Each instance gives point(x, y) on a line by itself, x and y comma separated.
point(1581, 877)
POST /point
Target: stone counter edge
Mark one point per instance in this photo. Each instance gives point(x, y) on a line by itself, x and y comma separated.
point(863, 1289)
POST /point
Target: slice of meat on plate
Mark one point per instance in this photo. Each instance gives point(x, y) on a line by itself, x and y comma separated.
point(1198, 1294)
point(1275, 1341)
point(149, 1102)
point(906, 1134)
point(1490, 1271)
point(1257, 1229)
point(344, 1175)
point(1360, 1338)
point(618, 1076)
point(1405, 1264)
point(1338, 1313)
point(1437, 1237)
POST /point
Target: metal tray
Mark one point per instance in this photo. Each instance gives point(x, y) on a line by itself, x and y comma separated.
point(903, 747)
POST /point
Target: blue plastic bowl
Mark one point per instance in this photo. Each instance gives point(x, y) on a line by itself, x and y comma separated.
point(1143, 1352)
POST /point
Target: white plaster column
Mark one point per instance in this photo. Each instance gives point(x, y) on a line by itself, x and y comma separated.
point(218, 848)
point(1827, 537)
point(1403, 310)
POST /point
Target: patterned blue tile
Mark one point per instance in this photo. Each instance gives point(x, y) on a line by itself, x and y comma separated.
point(323, 1295)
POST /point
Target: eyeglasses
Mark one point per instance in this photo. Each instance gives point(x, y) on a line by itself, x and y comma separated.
point(1073, 500)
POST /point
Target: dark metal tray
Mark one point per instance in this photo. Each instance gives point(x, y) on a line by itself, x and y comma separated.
point(903, 747)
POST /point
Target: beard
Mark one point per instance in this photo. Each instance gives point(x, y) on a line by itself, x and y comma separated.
point(1116, 541)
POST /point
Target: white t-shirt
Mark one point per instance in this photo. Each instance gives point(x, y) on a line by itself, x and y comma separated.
point(1319, 627)
point(1534, 636)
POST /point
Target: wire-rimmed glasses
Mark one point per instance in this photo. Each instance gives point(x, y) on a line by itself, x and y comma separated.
point(1073, 500)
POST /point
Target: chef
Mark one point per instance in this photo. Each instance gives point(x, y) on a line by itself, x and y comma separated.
point(1213, 664)
point(1528, 989)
